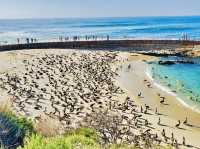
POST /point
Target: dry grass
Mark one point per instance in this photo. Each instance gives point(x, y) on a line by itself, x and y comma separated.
point(6, 106)
point(48, 126)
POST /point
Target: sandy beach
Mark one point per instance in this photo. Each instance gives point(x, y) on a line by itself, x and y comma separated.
point(65, 86)
point(171, 112)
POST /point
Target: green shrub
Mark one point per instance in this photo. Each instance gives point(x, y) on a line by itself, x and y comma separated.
point(25, 125)
point(83, 138)
point(62, 142)
point(33, 142)
point(87, 132)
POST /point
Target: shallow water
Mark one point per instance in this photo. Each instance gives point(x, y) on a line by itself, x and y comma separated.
point(183, 79)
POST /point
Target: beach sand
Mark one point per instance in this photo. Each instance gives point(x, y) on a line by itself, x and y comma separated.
point(133, 81)
point(130, 80)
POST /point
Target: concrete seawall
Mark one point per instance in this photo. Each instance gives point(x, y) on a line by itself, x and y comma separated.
point(111, 44)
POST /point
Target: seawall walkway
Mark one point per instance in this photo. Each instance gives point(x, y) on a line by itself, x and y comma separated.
point(103, 44)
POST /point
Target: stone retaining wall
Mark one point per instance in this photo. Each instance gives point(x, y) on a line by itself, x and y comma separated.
point(111, 44)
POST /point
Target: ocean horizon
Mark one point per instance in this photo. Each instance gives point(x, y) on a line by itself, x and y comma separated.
point(48, 29)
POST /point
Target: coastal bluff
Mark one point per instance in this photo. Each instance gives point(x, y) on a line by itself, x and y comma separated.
point(126, 45)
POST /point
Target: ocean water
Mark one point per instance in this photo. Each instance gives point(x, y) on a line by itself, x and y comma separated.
point(182, 79)
point(137, 28)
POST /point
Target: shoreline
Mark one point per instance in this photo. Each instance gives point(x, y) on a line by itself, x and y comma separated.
point(169, 91)
point(173, 111)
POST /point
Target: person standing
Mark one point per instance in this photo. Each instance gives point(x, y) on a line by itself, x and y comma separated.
point(108, 38)
point(27, 40)
point(17, 40)
point(32, 40)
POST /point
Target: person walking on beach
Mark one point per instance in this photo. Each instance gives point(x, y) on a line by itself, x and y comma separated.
point(163, 133)
point(176, 144)
point(185, 122)
point(146, 123)
point(141, 109)
point(140, 94)
point(156, 112)
point(172, 139)
point(183, 140)
point(178, 124)
point(129, 66)
point(159, 121)
point(172, 135)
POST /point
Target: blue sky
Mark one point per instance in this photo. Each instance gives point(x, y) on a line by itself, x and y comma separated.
point(96, 8)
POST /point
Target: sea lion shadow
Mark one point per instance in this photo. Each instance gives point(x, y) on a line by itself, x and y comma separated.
point(190, 125)
point(162, 114)
point(148, 113)
point(150, 127)
point(191, 146)
point(140, 97)
point(165, 104)
point(181, 128)
point(164, 125)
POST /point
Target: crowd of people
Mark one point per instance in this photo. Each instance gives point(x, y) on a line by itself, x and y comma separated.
point(66, 38)
point(84, 38)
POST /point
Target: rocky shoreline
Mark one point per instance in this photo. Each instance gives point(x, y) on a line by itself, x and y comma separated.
point(172, 62)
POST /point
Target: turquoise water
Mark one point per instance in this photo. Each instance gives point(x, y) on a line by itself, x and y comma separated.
point(183, 79)
point(135, 27)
